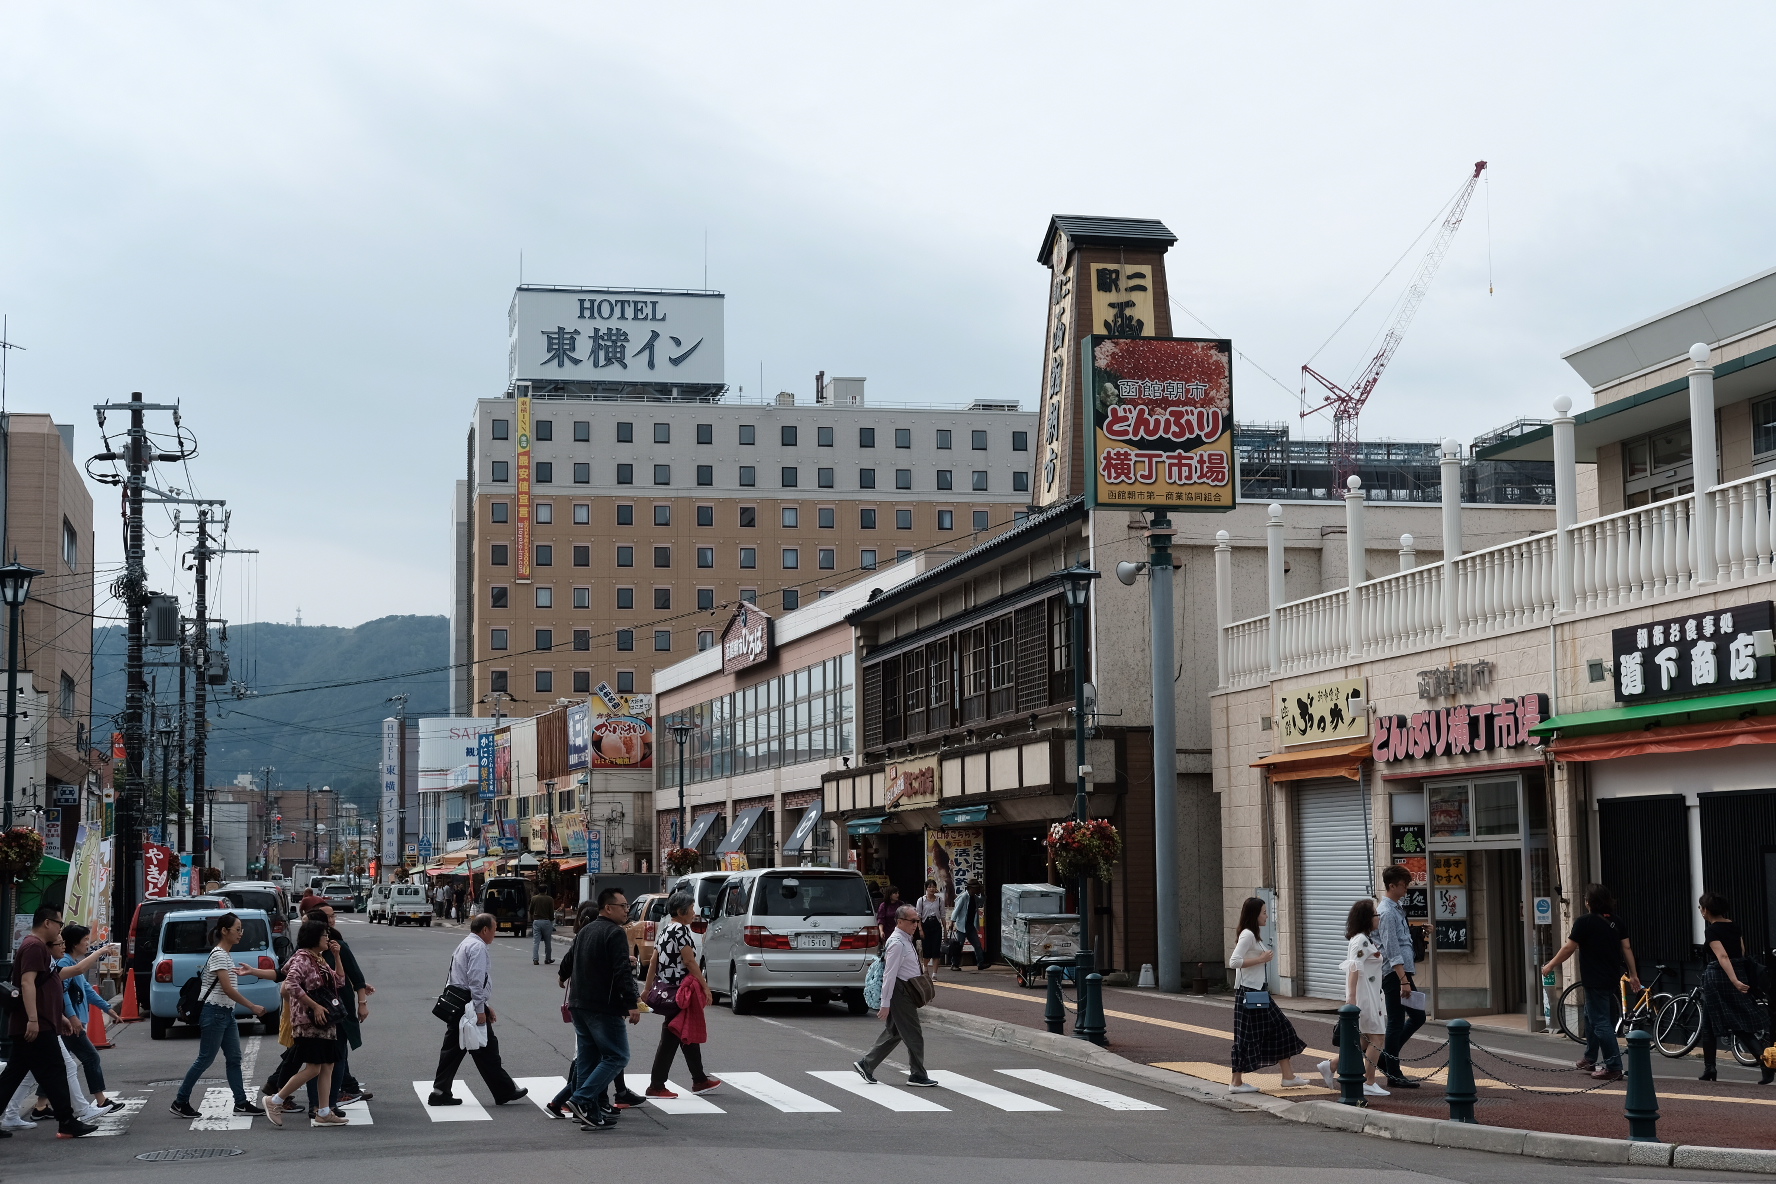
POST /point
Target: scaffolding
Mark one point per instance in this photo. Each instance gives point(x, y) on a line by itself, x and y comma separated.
point(1274, 467)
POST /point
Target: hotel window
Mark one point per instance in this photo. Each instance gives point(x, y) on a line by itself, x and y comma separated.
point(749, 557)
point(499, 554)
point(582, 514)
point(979, 441)
point(498, 641)
point(903, 478)
point(825, 517)
point(545, 473)
point(625, 598)
point(792, 558)
point(866, 437)
point(582, 431)
point(792, 516)
point(499, 596)
point(625, 640)
point(705, 433)
point(828, 559)
point(946, 520)
point(582, 473)
point(705, 515)
point(945, 479)
point(625, 556)
point(1020, 441)
point(582, 556)
point(662, 556)
point(625, 515)
point(867, 560)
point(68, 693)
point(625, 682)
point(498, 680)
point(705, 640)
point(902, 555)
point(792, 600)
point(502, 472)
point(748, 475)
point(662, 433)
point(866, 518)
point(502, 429)
point(582, 598)
point(903, 520)
point(625, 474)
point(499, 511)
point(545, 512)
point(663, 515)
point(662, 474)
point(980, 520)
point(749, 595)
point(943, 438)
point(748, 515)
point(748, 433)
point(866, 478)
point(787, 435)
point(545, 682)
point(662, 598)
point(625, 433)
point(705, 598)
point(545, 640)
point(582, 639)
point(545, 598)
point(980, 481)
point(706, 474)
point(545, 555)
point(1020, 482)
point(823, 437)
point(705, 556)
point(903, 437)
point(823, 478)
point(663, 640)
point(545, 429)
point(582, 685)
point(790, 477)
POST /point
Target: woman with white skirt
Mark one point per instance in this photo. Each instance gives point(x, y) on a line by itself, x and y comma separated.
point(1363, 967)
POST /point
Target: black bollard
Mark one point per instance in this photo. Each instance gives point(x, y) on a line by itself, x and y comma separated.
point(1642, 1106)
point(1091, 1011)
point(1459, 1090)
point(1350, 1057)
point(1055, 1014)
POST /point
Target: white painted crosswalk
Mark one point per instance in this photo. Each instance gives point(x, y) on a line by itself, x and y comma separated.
point(471, 1109)
point(903, 1101)
point(685, 1103)
point(775, 1094)
point(985, 1091)
point(1079, 1089)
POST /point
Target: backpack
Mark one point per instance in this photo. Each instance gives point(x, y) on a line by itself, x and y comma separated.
point(872, 985)
point(188, 1007)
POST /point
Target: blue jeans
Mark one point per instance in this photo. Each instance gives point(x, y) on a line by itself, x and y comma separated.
point(603, 1052)
point(219, 1031)
point(542, 933)
point(1600, 1030)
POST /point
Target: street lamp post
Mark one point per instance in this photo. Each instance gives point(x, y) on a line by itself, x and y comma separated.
point(15, 588)
point(1088, 1027)
point(681, 732)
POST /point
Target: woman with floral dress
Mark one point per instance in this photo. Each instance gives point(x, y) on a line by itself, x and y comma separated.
point(1363, 968)
point(313, 986)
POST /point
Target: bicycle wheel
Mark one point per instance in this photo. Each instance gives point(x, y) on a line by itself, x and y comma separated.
point(1678, 1026)
point(1571, 1013)
point(1744, 1053)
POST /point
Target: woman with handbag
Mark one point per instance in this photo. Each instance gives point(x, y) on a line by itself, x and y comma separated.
point(677, 990)
point(1262, 1034)
point(316, 992)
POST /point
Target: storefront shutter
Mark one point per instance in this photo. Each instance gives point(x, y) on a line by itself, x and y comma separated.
point(1334, 865)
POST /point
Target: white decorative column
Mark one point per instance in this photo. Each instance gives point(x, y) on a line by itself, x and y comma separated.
point(1452, 533)
point(1566, 504)
point(1704, 462)
point(1408, 553)
point(1693, 816)
point(1273, 539)
point(1356, 546)
point(1223, 602)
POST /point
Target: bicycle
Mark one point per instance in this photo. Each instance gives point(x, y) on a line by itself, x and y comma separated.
point(1641, 1013)
point(1679, 1027)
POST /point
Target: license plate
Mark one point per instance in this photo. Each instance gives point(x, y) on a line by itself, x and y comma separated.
point(813, 941)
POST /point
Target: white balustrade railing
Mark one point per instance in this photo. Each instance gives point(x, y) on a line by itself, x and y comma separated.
point(1646, 553)
point(1506, 587)
point(1401, 611)
point(1742, 515)
point(1248, 652)
point(1315, 631)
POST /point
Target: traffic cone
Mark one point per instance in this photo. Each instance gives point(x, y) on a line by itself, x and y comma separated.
point(95, 1028)
point(129, 996)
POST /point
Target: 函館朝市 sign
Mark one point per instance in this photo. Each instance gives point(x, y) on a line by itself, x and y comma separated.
point(1162, 422)
point(1704, 653)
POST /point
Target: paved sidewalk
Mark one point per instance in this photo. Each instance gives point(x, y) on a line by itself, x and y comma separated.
point(1524, 1082)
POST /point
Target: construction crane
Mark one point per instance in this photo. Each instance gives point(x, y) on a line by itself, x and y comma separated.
point(1347, 403)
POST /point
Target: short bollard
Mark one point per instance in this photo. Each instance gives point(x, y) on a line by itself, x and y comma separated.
point(1350, 1057)
point(1091, 1011)
point(1459, 1091)
point(1642, 1106)
point(1055, 1015)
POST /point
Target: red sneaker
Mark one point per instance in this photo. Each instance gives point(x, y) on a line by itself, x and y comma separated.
point(707, 1085)
point(660, 1091)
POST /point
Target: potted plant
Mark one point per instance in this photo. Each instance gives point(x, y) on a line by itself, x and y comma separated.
point(682, 861)
point(1092, 847)
point(21, 850)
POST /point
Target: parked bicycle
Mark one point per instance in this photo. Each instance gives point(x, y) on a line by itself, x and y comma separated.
point(1679, 1026)
point(1633, 1009)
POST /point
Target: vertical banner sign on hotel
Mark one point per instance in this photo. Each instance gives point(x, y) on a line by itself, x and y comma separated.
point(523, 466)
point(1162, 423)
point(391, 791)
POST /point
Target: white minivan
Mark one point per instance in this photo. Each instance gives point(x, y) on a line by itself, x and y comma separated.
point(804, 931)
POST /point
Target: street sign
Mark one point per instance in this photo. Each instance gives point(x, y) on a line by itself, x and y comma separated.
point(412, 849)
point(67, 795)
point(425, 847)
point(508, 843)
point(594, 851)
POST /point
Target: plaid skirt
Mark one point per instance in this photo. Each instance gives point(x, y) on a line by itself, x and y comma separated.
point(1724, 1008)
point(1261, 1035)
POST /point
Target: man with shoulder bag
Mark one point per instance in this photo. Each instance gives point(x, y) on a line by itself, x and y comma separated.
point(470, 976)
point(602, 996)
point(905, 989)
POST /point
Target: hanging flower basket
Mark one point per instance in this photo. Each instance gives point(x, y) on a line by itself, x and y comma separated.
point(683, 860)
point(21, 850)
point(1093, 847)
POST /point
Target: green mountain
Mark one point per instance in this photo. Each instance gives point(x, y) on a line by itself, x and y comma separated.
point(307, 700)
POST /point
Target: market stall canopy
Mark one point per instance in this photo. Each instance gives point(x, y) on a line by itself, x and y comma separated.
point(1678, 725)
point(1335, 760)
point(743, 824)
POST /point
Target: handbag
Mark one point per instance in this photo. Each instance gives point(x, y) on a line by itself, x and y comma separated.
point(661, 996)
point(1255, 1000)
point(567, 1015)
point(452, 1002)
point(923, 989)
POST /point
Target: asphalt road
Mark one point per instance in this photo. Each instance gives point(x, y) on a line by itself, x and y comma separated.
point(1033, 1130)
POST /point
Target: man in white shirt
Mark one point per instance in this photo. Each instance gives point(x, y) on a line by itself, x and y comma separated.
point(469, 969)
point(900, 1009)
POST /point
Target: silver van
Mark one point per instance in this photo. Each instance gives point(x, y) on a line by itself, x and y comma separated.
point(803, 931)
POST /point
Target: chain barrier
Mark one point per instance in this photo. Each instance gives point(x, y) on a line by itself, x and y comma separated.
point(1493, 1052)
point(1543, 1091)
point(1427, 1056)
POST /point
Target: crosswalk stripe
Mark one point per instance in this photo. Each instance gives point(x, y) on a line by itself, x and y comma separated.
point(118, 1123)
point(777, 1095)
point(986, 1091)
point(686, 1102)
point(1080, 1090)
point(881, 1093)
point(358, 1113)
point(218, 1113)
point(542, 1089)
point(471, 1109)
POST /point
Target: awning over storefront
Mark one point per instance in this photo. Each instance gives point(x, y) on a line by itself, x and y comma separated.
point(963, 816)
point(804, 829)
point(572, 865)
point(743, 824)
point(866, 826)
point(1679, 725)
point(1336, 760)
point(700, 826)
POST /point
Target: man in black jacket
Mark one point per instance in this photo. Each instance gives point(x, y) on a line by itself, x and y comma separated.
point(603, 993)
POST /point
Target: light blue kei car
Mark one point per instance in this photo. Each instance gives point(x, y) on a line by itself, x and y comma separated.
point(185, 947)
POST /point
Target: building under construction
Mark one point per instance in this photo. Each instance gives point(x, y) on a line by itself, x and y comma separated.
point(1273, 467)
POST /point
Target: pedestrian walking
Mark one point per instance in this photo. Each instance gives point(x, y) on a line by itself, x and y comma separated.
point(1727, 978)
point(456, 908)
point(217, 996)
point(36, 1025)
point(1364, 968)
point(674, 975)
point(963, 928)
point(600, 982)
point(315, 987)
point(885, 915)
point(1401, 981)
point(441, 900)
point(80, 999)
point(542, 927)
point(343, 1086)
point(931, 909)
point(1600, 939)
point(14, 1117)
point(1262, 1034)
point(470, 970)
point(903, 979)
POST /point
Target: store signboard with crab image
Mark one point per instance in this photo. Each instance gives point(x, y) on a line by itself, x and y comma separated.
point(1329, 711)
point(1162, 423)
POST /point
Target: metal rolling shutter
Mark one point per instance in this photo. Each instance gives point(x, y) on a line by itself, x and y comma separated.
point(1334, 867)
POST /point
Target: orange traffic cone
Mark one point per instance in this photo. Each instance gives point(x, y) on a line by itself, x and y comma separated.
point(95, 1028)
point(129, 997)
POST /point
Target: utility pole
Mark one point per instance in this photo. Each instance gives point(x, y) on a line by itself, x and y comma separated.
point(400, 702)
point(179, 781)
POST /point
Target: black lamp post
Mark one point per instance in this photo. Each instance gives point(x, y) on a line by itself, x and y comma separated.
point(1079, 583)
point(681, 732)
point(15, 589)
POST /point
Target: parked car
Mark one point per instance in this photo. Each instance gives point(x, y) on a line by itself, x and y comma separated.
point(508, 899)
point(376, 908)
point(144, 935)
point(339, 893)
point(791, 931)
point(282, 888)
point(184, 947)
point(399, 904)
point(272, 902)
point(645, 913)
point(705, 886)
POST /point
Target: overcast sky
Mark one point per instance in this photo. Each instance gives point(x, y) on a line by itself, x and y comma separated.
point(304, 223)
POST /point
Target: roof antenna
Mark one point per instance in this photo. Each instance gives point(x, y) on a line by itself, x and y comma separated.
point(5, 345)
